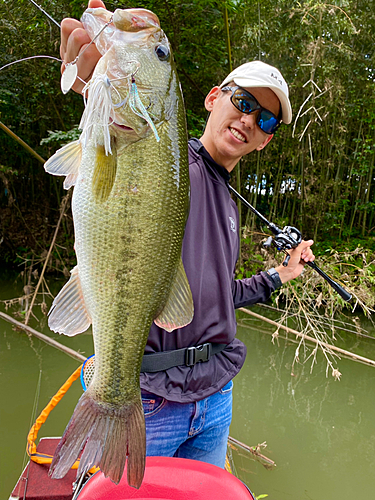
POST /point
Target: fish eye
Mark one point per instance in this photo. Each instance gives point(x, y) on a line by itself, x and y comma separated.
point(162, 52)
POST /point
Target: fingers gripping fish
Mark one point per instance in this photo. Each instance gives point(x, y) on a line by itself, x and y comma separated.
point(129, 170)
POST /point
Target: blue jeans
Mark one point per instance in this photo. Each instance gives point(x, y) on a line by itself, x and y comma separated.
point(198, 430)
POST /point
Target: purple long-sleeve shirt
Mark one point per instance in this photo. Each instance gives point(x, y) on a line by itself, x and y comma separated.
point(209, 252)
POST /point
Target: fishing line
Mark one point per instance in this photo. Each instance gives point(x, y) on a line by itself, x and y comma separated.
point(45, 13)
point(33, 417)
point(92, 41)
point(70, 74)
point(31, 57)
point(38, 57)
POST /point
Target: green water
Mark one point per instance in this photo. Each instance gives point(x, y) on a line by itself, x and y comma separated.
point(320, 433)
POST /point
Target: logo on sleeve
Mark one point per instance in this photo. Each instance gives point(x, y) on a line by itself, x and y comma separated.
point(232, 224)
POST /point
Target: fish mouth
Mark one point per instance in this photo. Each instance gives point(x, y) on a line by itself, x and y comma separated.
point(132, 133)
point(122, 127)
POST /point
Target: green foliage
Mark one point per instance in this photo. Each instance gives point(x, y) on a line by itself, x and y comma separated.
point(316, 174)
point(252, 261)
point(195, 124)
point(7, 170)
point(61, 137)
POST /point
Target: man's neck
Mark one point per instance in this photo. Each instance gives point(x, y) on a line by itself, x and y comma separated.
point(202, 151)
point(224, 162)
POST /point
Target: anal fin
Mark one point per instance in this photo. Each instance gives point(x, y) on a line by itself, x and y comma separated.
point(68, 314)
point(179, 309)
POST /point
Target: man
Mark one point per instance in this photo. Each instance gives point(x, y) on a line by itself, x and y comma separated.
point(187, 383)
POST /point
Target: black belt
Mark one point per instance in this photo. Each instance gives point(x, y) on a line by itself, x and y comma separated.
point(189, 356)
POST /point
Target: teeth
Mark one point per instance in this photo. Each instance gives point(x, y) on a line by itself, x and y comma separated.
point(237, 134)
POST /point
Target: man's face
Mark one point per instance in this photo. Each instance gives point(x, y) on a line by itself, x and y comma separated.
point(231, 134)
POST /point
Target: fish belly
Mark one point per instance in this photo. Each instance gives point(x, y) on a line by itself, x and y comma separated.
point(128, 249)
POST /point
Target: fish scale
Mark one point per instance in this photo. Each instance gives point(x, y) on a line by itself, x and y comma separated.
point(130, 204)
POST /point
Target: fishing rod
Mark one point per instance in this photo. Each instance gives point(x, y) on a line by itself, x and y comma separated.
point(287, 238)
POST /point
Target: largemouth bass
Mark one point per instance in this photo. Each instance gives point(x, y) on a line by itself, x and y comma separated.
point(130, 204)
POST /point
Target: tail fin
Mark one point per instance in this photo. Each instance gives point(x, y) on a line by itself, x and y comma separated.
point(107, 435)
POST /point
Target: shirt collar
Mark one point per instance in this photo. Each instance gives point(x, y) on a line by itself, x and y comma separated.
point(202, 151)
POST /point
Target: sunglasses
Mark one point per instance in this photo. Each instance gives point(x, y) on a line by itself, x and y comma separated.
point(246, 103)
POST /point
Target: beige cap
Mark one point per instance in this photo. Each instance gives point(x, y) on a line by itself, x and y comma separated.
point(260, 74)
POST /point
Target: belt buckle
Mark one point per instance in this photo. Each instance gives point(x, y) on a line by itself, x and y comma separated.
point(197, 354)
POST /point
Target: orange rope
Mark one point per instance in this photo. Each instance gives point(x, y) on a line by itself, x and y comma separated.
point(42, 458)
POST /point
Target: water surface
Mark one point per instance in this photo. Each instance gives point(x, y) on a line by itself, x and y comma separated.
point(319, 432)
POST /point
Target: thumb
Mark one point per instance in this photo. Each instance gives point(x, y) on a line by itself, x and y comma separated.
point(95, 4)
point(306, 244)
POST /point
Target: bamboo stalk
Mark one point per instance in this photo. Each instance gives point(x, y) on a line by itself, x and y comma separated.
point(277, 186)
point(44, 338)
point(255, 197)
point(348, 354)
point(23, 143)
point(357, 201)
point(367, 198)
point(229, 50)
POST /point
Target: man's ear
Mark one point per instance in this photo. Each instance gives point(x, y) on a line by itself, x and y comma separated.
point(211, 98)
point(264, 143)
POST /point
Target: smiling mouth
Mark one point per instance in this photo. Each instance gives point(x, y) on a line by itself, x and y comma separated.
point(237, 134)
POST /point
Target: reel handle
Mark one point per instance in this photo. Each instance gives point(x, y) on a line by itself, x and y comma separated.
point(286, 260)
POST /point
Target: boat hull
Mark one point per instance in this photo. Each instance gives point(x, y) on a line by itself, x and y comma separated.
point(165, 479)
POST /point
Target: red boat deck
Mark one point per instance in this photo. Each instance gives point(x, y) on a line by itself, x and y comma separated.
point(36, 482)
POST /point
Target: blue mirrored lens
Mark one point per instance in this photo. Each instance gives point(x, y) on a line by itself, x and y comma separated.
point(244, 102)
point(267, 122)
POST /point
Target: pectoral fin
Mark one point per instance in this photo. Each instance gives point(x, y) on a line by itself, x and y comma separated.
point(66, 161)
point(68, 314)
point(104, 172)
point(179, 309)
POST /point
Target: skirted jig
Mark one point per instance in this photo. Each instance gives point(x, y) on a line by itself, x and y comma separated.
point(137, 106)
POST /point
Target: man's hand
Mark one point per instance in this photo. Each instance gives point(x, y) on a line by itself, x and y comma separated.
point(298, 258)
point(74, 40)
